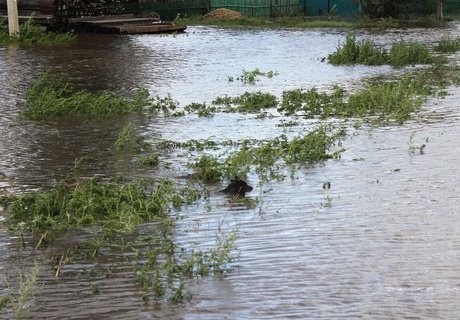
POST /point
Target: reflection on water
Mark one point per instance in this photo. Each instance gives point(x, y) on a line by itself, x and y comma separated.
point(382, 243)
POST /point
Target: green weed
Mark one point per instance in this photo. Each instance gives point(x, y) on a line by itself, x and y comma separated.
point(366, 52)
point(380, 101)
point(166, 105)
point(30, 33)
point(404, 53)
point(85, 203)
point(448, 45)
point(201, 109)
point(150, 160)
point(128, 140)
point(358, 52)
point(50, 96)
point(25, 293)
point(250, 102)
point(267, 156)
point(250, 77)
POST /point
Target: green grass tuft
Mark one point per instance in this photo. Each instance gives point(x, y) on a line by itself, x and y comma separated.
point(50, 96)
point(30, 33)
point(366, 52)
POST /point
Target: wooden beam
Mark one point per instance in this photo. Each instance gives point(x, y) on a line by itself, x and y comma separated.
point(439, 9)
point(13, 19)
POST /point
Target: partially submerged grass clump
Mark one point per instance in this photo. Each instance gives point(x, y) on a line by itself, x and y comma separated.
point(250, 77)
point(448, 45)
point(358, 52)
point(128, 140)
point(30, 33)
point(403, 53)
point(250, 102)
point(379, 101)
point(266, 157)
point(88, 203)
point(50, 96)
point(366, 52)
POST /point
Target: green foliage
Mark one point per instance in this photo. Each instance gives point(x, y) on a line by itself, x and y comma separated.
point(448, 44)
point(4, 301)
point(128, 140)
point(250, 102)
point(149, 160)
point(404, 53)
point(92, 202)
point(311, 102)
point(30, 33)
point(201, 109)
point(166, 105)
point(395, 100)
point(267, 156)
point(161, 270)
point(390, 100)
point(50, 96)
point(251, 77)
point(26, 292)
point(358, 52)
point(207, 168)
point(365, 52)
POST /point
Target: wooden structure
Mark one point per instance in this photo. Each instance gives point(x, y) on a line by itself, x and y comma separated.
point(126, 23)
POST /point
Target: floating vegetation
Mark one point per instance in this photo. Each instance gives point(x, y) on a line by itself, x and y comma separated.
point(19, 301)
point(250, 102)
point(150, 160)
point(128, 140)
point(201, 109)
point(30, 33)
point(447, 44)
point(50, 96)
point(82, 203)
point(404, 53)
point(380, 101)
point(166, 105)
point(366, 52)
point(161, 271)
point(358, 52)
point(250, 77)
point(113, 211)
point(266, 157)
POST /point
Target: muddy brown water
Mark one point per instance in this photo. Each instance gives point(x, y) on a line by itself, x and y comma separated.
point(381, 243)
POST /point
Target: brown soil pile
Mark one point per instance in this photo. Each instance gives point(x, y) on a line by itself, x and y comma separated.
point(223, 14)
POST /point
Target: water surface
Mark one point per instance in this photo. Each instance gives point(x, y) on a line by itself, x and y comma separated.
point(382, 243)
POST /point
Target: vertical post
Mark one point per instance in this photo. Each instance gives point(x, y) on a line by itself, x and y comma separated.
point(439, 9)
point(13, 19)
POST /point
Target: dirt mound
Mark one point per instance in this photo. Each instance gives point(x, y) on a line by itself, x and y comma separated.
point(223, 14)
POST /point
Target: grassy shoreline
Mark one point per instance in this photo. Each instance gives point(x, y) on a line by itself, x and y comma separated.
point(311, 22)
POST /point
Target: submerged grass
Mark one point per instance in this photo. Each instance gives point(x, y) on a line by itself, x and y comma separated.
point(267, 157)
point(50, 96)
point(379, 101)
point(248, 102)
point(271, 22)
point(448, 44)
point(30, 33)
point(85, 203)
point(128, 140)
point(366, 52)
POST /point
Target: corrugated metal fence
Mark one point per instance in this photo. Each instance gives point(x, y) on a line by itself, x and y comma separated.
point(168, 9)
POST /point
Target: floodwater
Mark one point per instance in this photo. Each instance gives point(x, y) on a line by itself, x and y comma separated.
point(381, 243)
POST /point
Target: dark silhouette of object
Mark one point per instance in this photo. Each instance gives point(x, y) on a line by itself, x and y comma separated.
point(237, 187)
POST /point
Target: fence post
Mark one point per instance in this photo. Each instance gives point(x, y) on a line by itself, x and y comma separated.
point(439, 9)
point(13, 19)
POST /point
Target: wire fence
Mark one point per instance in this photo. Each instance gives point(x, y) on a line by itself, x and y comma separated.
point(252, 8)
